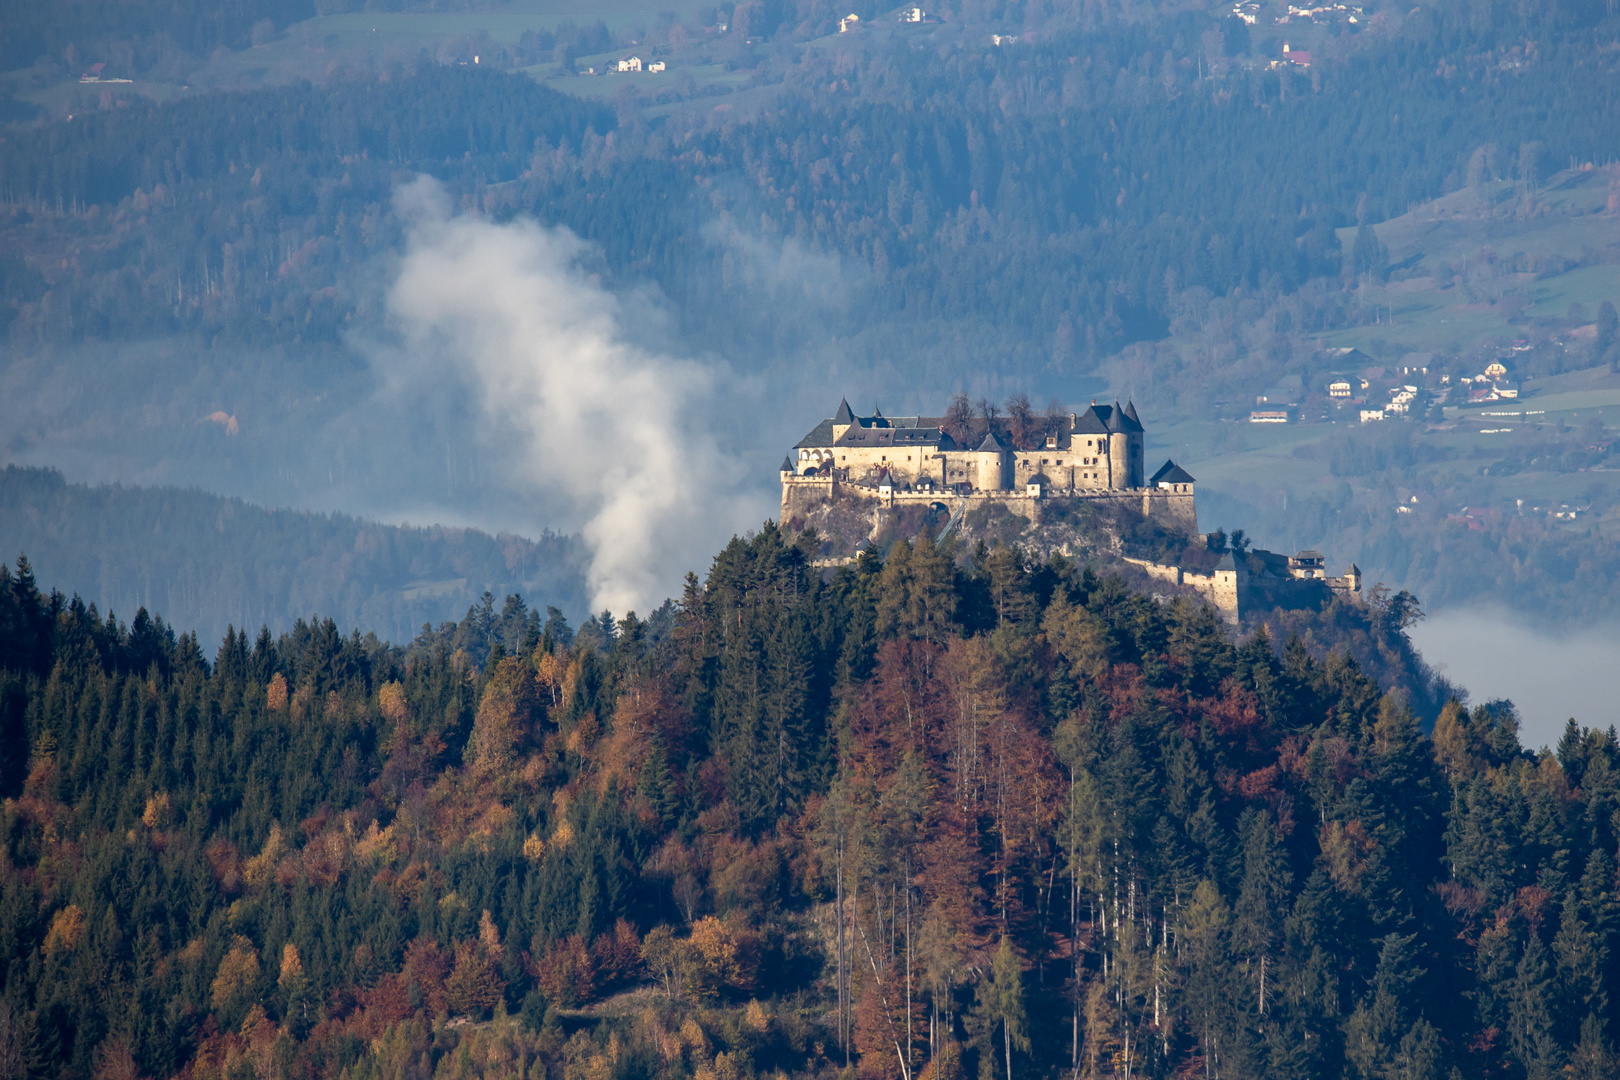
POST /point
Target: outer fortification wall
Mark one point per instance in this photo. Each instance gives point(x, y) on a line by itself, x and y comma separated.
point(1170, 509)
point(1219, 587)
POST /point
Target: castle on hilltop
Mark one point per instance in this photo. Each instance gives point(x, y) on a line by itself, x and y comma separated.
point(1017, 460)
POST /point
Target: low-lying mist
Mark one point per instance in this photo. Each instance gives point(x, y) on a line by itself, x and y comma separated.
point(1494, 653)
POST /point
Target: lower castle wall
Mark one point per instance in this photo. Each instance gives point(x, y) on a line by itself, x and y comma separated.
point(1219, 587)
point(1173, 510)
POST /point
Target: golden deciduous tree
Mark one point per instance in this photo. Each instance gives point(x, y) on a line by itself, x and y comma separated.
point(716, 966)
point(508, 708)
point(391, 702)
point(66, 931)
point(258, 870)
point(236, 981)
point(294, 987)
point(275, 697)
point(159, 812)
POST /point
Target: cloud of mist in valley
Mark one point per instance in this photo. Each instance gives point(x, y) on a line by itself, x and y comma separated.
point(621, 441)
point(1495, 653)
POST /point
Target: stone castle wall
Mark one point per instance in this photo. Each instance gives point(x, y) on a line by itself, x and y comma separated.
point(1174, 510)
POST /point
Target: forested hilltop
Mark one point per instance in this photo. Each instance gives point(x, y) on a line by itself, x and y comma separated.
point(925, 817)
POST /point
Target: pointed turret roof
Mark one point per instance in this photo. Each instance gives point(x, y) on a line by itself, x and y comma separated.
point(1227, 562)
point(991, 444)
point(787, 463)
point(1171, 473)
point(844, 415)
point(1354, 569)
point(1130, 414)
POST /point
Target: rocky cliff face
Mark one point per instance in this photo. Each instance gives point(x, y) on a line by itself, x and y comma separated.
point(1091, 530)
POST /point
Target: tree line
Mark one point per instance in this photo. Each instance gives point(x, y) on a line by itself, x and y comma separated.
point(938, 814)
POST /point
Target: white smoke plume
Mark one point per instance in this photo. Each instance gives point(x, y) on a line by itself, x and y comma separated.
point(620, 435)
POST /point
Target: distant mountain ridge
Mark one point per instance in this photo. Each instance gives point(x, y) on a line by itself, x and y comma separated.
point(207, 561)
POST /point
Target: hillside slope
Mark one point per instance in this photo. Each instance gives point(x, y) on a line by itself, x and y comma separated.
point(208, 562)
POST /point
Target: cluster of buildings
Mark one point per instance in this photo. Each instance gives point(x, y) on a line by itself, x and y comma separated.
point(635, 63)
point(1370, 392)
point(913, 14)
point(1492, 384)
point(1249, 11)
point(1015, 461)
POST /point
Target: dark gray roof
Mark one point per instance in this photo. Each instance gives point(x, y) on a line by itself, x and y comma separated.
point(787, 463)
point(1094, 421)
point(991, 443)
point(844, 415)
point(1227, 562)
point(1171, 473)
point(820, 436)
point(1354, 569)
point(862, 435)
point(1130, 412)
point(1039, 478)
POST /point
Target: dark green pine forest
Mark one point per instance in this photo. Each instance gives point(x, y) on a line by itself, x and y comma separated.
point(941, 815)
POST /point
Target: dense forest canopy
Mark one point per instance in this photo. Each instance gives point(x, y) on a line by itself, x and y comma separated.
point(1071, 188)
point(939, 813)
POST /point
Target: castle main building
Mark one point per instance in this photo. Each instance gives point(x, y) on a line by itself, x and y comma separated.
point(1018, 460)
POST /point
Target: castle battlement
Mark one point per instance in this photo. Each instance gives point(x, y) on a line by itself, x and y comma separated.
point(1017, 461)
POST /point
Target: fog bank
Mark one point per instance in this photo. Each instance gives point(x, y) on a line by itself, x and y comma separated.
point(1550, 678)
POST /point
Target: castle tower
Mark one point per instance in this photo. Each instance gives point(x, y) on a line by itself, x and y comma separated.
point(1125, 449)
point(991, 464)
point(1118, 450)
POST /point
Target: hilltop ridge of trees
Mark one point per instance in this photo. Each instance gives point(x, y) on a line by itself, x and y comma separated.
point(208, 561)
point(928, 816)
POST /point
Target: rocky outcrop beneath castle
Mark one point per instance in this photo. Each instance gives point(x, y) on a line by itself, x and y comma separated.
point(1170, 509)
point(1095, 527)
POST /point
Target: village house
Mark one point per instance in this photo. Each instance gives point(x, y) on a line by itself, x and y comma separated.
point(630, 63)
